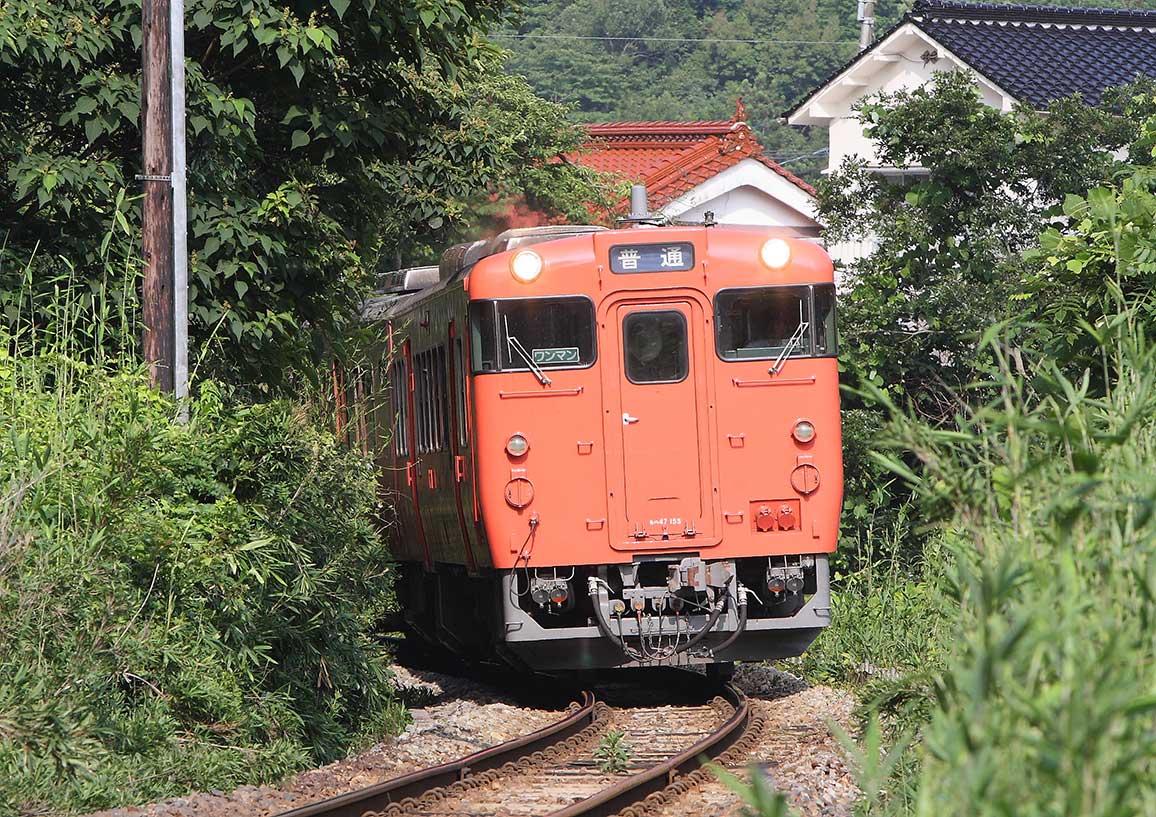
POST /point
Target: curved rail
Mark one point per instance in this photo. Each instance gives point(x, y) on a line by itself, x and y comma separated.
point(374, 798)
point(638, 787)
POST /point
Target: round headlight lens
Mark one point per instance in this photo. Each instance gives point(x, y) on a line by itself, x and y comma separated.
point(804, 431)
point(517, 445)
point(775, 253)
point(526, 266)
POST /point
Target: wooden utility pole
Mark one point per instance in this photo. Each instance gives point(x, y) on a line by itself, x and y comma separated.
point(157, 216)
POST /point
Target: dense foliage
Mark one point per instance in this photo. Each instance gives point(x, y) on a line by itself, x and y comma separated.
point(325, 138)
point(1021, 640)
point(180, 606)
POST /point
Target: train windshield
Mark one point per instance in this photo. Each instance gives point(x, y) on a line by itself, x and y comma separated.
point(768, 323)
point(528, 334)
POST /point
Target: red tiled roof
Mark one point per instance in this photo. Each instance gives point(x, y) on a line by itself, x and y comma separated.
point(671, 158)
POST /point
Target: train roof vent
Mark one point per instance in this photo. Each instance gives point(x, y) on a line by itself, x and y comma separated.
point(525, 236)
point(462, 257)
point(410, 279)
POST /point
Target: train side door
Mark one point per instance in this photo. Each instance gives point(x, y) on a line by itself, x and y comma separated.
point(664, 497)
point(460, 438)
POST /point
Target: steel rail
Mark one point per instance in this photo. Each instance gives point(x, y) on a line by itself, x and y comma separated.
point(637, 788)
point(414, 784)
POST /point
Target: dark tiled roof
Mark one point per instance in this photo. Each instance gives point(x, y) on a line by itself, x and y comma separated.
point(1036, 53)
point(1039, 54)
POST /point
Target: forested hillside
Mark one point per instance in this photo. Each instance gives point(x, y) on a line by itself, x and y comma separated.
point(690, 59)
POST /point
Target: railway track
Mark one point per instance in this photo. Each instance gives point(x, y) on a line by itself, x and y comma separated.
point(552, 771)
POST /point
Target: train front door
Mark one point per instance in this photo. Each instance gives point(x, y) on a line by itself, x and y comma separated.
point(664, 496)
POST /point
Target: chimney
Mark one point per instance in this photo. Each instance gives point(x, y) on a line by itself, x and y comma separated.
point(866, 20)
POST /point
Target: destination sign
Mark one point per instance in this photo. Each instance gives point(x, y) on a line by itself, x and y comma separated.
point(677, 256)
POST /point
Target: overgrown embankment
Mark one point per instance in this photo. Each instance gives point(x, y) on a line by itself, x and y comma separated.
point(181, 606)
point(1010, 657)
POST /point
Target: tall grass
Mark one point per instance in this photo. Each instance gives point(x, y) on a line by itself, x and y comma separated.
point(181, 606)
point(1021, 654)
point(1046, 700)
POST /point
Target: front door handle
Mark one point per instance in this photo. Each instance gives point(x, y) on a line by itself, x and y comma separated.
point(627, 419)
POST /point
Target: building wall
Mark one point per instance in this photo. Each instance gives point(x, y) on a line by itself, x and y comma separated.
point(746, 205)
point(748, 193)
point(907, 59)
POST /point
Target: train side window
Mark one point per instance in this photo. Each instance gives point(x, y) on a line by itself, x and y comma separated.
point(826, 336)
point(399, 394)
point(656, 348)
point(441, 397)
point(421, 400)
point(483, 336)
point(460, 392)
point(432, 400)
point(763, 323)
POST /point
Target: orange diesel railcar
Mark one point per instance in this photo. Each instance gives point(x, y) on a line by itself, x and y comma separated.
point(615, 447)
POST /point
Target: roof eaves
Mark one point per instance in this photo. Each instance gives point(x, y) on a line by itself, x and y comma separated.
point(665, 184)
point(915, 23)
point(842, 69)
point(788, 175)
point(670, 175)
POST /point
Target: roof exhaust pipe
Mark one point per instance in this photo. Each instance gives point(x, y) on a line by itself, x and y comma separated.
point(640, 215)
point(639, 206)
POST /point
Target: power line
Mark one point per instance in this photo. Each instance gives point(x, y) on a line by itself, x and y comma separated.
point(669, 39)
point(811, 155)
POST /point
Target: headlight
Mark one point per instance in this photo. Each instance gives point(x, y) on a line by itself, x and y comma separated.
point(775, 253)
point(804, 431)
point(517, 445)
point(526, 266)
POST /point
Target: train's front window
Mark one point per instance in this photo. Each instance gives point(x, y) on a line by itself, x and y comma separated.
point(769, 323)
point(526, 334)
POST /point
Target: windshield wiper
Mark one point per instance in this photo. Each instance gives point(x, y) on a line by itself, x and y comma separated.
point(515, 345)
point(794, 341)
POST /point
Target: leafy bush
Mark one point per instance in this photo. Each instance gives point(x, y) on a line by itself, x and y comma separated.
point(180, 606)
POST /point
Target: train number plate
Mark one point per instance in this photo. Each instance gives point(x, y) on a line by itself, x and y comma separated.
point(547, 357)
point(676, 256)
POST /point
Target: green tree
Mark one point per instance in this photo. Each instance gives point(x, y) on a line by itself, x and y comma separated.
point(1099, 257)
point(323, 136)
point(980, 187)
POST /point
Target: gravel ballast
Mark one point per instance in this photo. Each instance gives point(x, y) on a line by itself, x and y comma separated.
point(798, 751)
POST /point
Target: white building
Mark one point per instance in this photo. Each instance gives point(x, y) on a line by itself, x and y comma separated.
point(1016, 53)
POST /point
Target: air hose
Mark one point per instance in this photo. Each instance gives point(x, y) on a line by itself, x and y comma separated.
point(742, 625)
point(712, 620)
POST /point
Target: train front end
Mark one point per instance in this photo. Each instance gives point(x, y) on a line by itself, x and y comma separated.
point(659, 461)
